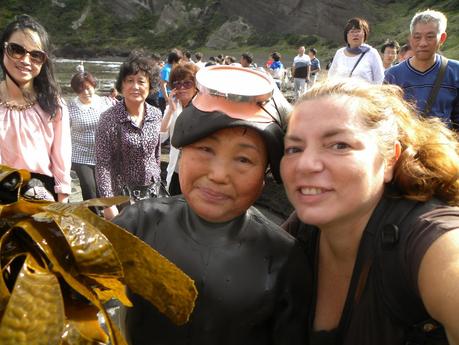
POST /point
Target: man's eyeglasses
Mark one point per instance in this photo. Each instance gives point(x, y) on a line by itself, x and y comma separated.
point(16, 51)
point(186, 84)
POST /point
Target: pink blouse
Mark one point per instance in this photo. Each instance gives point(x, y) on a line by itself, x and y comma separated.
point(30, 140)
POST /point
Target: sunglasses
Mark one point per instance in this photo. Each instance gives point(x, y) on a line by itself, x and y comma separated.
point(186, 84)
point(16, 51)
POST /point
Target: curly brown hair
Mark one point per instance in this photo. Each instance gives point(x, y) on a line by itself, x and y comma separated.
point(428, 165)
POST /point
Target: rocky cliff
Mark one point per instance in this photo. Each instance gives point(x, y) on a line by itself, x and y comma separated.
point(319, 17)
point(98, 27)
point(323, 18)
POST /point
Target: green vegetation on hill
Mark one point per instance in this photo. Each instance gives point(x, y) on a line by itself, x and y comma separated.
point(103, 33)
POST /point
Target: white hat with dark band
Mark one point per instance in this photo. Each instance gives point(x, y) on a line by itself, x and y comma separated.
point(231, 96)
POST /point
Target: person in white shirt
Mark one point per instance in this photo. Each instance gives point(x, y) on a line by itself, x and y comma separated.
point(357, 59)
point(301, 71)
point(183, 84)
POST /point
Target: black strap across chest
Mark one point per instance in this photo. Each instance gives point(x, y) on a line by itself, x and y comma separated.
point(436, 87)
point(378, 244)
point(356, 63)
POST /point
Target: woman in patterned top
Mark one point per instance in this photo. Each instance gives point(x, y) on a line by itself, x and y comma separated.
point(35, 131)
point(85, 110)
point(127, 136)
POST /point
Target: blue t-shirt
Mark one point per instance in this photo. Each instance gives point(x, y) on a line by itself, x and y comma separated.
point(276, 65)
point(418, 85)
point(315, 66)
point(277, 68)
point(164, 74)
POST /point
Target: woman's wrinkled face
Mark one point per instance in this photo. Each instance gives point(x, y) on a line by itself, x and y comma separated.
point(332, 168)
point(87, 93)
point(23, 69)
point(222, 175)
point(136, 87)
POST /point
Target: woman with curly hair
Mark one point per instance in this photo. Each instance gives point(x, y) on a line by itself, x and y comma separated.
point(127, 136)
point(375, 190)
point(183, 82)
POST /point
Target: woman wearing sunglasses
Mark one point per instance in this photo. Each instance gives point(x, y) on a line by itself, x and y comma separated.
point(35, 131)
point(182, 80)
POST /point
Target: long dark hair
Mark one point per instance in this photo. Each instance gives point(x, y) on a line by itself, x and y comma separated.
point(44, 84)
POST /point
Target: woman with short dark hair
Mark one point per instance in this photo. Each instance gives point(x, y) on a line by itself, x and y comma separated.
point(127, 137)
point(85, 110)
point(357, 59)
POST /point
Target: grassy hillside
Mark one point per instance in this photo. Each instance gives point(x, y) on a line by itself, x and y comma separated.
point(392, 22)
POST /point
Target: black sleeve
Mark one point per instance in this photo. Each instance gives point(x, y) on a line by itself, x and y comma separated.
point(424, 232)
point(292, 308)
point(455, 115)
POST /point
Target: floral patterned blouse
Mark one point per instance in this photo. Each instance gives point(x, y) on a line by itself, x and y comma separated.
point(125, 153)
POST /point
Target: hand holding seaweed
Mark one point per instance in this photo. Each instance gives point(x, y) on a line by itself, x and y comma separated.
point(61, 262)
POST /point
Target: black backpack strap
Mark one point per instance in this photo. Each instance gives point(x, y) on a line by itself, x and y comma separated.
point(402, 303)
point(357, 62)
point(385, 210)
point(436, 87)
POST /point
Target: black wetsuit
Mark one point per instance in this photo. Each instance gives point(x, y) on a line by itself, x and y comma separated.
point(251, 277)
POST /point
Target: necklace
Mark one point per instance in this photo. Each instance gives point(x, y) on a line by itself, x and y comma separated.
point(11, 105)
point(19, 107)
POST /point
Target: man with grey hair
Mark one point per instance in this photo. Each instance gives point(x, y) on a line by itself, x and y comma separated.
point(419, 75)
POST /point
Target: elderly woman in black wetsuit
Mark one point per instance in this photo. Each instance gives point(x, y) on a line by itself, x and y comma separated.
point(250, 275)
point(375, 189)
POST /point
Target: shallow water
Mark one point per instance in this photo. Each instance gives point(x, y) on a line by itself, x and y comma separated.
point(105, 71)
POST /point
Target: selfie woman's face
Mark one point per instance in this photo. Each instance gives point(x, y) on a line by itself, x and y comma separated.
point(23, 67)
point(222, 175)
point(332, 169)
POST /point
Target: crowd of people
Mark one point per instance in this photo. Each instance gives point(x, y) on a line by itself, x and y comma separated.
point(368, 155)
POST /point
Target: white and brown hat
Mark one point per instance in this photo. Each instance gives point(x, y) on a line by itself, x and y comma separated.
point(231, 96)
